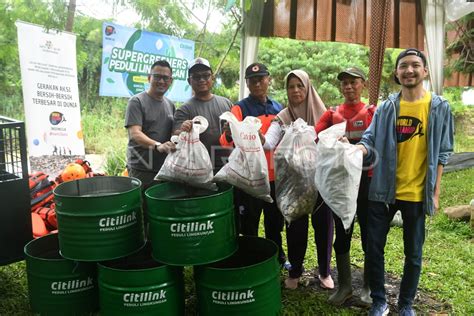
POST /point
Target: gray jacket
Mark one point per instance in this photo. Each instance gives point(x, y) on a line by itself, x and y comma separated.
point(380, 140)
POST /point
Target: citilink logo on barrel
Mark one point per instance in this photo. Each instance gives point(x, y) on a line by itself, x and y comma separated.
point(72, 286)
point(117, 222)
point(144, 298)
point(233, 297)
point(192, 229)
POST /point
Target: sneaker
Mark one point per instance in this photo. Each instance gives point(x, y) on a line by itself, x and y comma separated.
point(379, 309)
point(326, 283)
point(406, 311)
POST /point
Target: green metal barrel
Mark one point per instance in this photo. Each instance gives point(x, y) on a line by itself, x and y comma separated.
point(247, 283)
point(58, 286)
point(138, 285)
point(191, 226)
point(99, 218)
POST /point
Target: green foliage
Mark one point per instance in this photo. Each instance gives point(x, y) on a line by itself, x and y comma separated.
point(104, 132)
point(167, 17)
point(462, 141)
point(322, 61)
point(454, 97)
point(115, 161)
point(103, 125)
point(388, 85)
point(215, 45)
point(460, 52)
point(12, 106)
point(89, 57)
point(463, 120)
point(229, 5)
point(231, 93)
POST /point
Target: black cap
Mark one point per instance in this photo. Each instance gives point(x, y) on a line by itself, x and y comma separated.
point(353, 72)
point(256, 69)
point(409, 52)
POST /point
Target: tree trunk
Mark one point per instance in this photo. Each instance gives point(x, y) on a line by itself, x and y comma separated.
point(71, 10)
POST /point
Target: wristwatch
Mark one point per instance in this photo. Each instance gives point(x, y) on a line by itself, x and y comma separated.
point(157, 144)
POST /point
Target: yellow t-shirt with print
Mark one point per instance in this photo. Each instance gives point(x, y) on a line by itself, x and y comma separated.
point(412, 130)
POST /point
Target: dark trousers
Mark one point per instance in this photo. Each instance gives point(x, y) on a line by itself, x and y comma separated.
point(297, 240)
point(250, 209)
point(342, 243)
point(379, 218)
point(146, 177)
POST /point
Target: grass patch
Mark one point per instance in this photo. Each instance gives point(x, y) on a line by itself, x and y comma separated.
point(448, 248)
point(103, 127)
point(464, 128)
point(14, 290)
point(446, 273)
point(115, 161)
point(463, 142)
point(104, 133)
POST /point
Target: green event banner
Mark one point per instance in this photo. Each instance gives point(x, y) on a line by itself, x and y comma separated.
point(128, 53)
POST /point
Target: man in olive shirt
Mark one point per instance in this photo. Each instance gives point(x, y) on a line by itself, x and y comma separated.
point(204, 103)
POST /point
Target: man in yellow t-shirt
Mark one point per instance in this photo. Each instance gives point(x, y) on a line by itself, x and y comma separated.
point(411, 150)
point(409, 141)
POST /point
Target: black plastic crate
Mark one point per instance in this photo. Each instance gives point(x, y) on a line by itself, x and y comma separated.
point(15, 217)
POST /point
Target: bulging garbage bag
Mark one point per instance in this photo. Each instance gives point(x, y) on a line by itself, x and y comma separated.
point(338, 172)
point(295, 165)
point(190, 163)
point(247, 166)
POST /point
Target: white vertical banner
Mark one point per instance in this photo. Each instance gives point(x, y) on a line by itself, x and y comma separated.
point(50, 91)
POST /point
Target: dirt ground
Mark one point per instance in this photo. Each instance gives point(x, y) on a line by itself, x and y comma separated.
point(424, 304)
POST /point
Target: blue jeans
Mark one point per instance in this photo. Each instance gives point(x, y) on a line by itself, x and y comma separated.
point(378, 225)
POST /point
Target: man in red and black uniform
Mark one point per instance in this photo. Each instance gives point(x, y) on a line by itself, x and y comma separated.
point(259, 105)
point(358, 117)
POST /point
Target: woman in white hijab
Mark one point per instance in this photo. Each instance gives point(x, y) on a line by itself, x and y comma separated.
point(304, 102)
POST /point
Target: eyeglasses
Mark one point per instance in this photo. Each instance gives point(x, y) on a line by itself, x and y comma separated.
point(204, 77)
point(159, 77)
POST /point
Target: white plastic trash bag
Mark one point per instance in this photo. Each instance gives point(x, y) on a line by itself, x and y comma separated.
point(338, 173)
point(190, 163)
point(295, 165)
point(247, 166)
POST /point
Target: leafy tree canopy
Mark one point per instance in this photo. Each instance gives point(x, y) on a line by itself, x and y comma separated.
point(322, 60)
